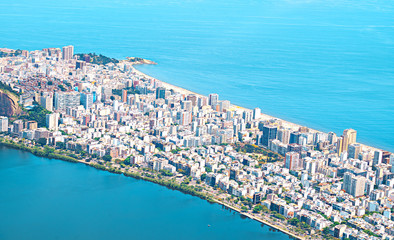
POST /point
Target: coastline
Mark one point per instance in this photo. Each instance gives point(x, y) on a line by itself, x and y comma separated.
point(263, 116)
point(136, 175)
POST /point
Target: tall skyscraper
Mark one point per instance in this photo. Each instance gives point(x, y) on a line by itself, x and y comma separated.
point(18, 126)
point(392, 162)
point(87, 100)
point(124, 95)
point(354, 150)
point(332, 137)
point(358, 186)
point(269, 133)
point(3, 124)
point(80, 65)
point(377, 157)
point(46, 102)
point(339, 145)
point(292, 161)
point(256, 113)
point(349, 137)
point(284, 135)
point(354, 185)
point(52, 121)
point(160, 93)
point(213, 99)
point(68, 52)
point(66, 99)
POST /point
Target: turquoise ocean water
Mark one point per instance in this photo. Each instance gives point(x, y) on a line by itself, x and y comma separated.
point(327, 64)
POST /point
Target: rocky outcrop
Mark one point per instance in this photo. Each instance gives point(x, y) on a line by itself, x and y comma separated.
point(9, 104)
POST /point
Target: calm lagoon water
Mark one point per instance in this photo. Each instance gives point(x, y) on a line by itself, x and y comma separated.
point(327, 64)
point(51, 199)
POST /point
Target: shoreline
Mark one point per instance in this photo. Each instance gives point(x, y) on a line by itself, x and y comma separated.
point(263, 116)
point(136, 175)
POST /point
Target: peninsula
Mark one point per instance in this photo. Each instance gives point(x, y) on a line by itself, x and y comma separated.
point(104, 113)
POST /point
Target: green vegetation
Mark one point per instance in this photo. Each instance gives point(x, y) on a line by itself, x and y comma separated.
point(107, 158)
point(7, 88)
point(46, 152)
point(176, 151)
point(279, 216)
point(194, 191)
point(13, 54)
point(166, 173)
point(257, 208)
point(98, 59)
point(251, 148)
point(129, 91)
point(369, 232)
point(37, 114)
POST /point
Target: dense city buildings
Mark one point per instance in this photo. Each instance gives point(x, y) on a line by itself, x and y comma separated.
point(116, 117)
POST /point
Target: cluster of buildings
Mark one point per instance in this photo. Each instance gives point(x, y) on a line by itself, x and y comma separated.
point(115, 110)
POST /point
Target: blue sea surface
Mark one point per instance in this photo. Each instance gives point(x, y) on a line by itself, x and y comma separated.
point(51, 199)
point(327, 64)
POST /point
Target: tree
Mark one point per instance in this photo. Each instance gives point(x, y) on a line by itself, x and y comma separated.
point(42, 141)
point(61, 145)
point(107, 158)
point(257, 208)
point(48, 149)
point(127, 161)
point(294, 221)
point(244, 209)
point(203, 176)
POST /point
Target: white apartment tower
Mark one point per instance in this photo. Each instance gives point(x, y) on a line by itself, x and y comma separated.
point(3, 124)
point(68, 52)
point(52, 121)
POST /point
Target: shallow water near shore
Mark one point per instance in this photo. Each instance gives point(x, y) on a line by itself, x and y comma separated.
point(324, 64)
point(53, 199)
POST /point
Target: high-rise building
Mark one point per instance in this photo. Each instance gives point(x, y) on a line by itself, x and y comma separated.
point(294, 137)
point(124, 95)
point(292, 161)
point(354, 185)
point(347, 182)
point(68, 52)
point(66, 99)
point(52, 121)
point(358, 186)
point(31, 125)
point(80, 65)
point(284, 135)
point(46, 102)
point(160, 93)
point(269, 133)
point(354, 150)
point(392, 162)
point(213, 99)
point(349, 137)
point(332, 137)
point(256, 113)
point(224, 105)
point(87, 100)
point(18, 126)
point(3, 124)
point(339, 145)
point(377, 158)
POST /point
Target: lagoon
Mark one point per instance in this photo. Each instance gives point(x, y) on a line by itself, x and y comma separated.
point(52, 199)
